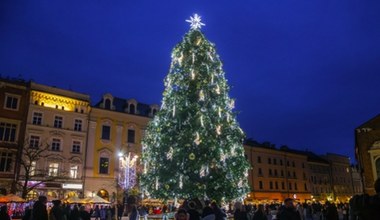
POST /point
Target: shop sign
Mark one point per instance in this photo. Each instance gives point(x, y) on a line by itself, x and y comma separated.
point(71, 186)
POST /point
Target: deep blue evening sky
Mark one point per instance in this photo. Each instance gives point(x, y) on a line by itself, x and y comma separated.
point(304, 73)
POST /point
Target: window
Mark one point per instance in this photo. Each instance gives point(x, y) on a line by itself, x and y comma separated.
point(294, 175)
point(74, 171)
point(275, 172)
point(269, 161)
point(11, 102)
point(270, 172)
point(76, 147)
point(131, 136)
point(32, 170)
point(282, 185)
point(260, 172)
point(305, 186)
point(5, 162)
point(53, 169)
point(270, 185)
point(7, 132)
point(258, 159)
point(287, 163)
point(107, 104)
point(295, 186)
point(290, 186)
point(103, 165)
point(260, 184)
point(282, 173)
point(34, 141)
point(281, 162)
point(276, 185)
point(275, 161)
point(58, 120)
point(293, 164)
point(37, 118)
point(77, 125)
point(56, 144)
point(106, 132)
point(132, 109)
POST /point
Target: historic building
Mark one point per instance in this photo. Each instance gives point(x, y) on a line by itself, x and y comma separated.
point(367, 152)
point(276, 174)
point(13, 104)
point(341, 177)
point(114, 149)
point(357, 183)
point(57, 121)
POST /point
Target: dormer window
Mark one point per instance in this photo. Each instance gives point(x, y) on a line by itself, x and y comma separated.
point(107, 104)
point(132, 109)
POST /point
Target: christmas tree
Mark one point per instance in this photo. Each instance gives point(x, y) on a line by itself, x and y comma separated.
point(193, 146)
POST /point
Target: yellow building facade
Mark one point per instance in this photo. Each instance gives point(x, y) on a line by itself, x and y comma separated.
point(116, 128)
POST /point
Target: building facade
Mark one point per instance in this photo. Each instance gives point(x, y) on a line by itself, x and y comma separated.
point(367, 152)
point(276, 174)
point(116, 129)
point(14, 107)
point(319, 177)
point(341, 176)
point(57, 123)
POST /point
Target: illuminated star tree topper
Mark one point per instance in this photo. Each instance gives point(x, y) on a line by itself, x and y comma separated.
point(195, 22)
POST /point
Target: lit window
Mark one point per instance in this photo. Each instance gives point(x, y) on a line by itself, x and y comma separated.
point(103, 165)
point(76, 146)
point(34, 141)
point(7, 132)
point(5, 161)
point(56, 144)
point(37, 118)
point(74, 171)
point(11, 102)
point(58, 120)
point(53, 169)
point(32, 170)
point(78, 125)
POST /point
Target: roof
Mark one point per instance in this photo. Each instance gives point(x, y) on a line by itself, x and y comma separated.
point(120, 104)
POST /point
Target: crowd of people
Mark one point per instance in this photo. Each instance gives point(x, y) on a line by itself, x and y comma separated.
point(361, 207)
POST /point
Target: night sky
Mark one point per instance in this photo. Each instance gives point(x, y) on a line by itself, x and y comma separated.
point(304, 73)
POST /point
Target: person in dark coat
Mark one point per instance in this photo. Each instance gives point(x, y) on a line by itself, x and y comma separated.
point(331, 211)
point(56, 212)
point(39, 211)
point(288, 211)
point(83, 214)
point(193, 214)
point(4, 213)
point(260, 213)
point(219, 213)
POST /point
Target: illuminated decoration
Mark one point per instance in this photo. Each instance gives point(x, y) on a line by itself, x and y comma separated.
point(58, 102)
point(127, 171)
point(195, 22)
point(193, 148)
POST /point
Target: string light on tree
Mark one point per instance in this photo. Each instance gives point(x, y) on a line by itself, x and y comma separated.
point(194, 142)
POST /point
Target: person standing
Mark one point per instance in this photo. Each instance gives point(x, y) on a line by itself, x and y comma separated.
point(83, 214)
point(288, 211)
point(56, 212)
point(134, 213)
point(4, 213)
point(260, 213)
point(39, 211)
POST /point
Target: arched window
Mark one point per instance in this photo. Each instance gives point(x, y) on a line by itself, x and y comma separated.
point(378, 167)
point(107, 104)
point(132, 109)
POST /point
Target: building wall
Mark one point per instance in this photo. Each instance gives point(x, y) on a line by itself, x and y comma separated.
point(72, 108)
point(14, 115)
point(277, 174)
point(118, 148)
point(367, 151)
point(320, 180)
point(341, 177)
